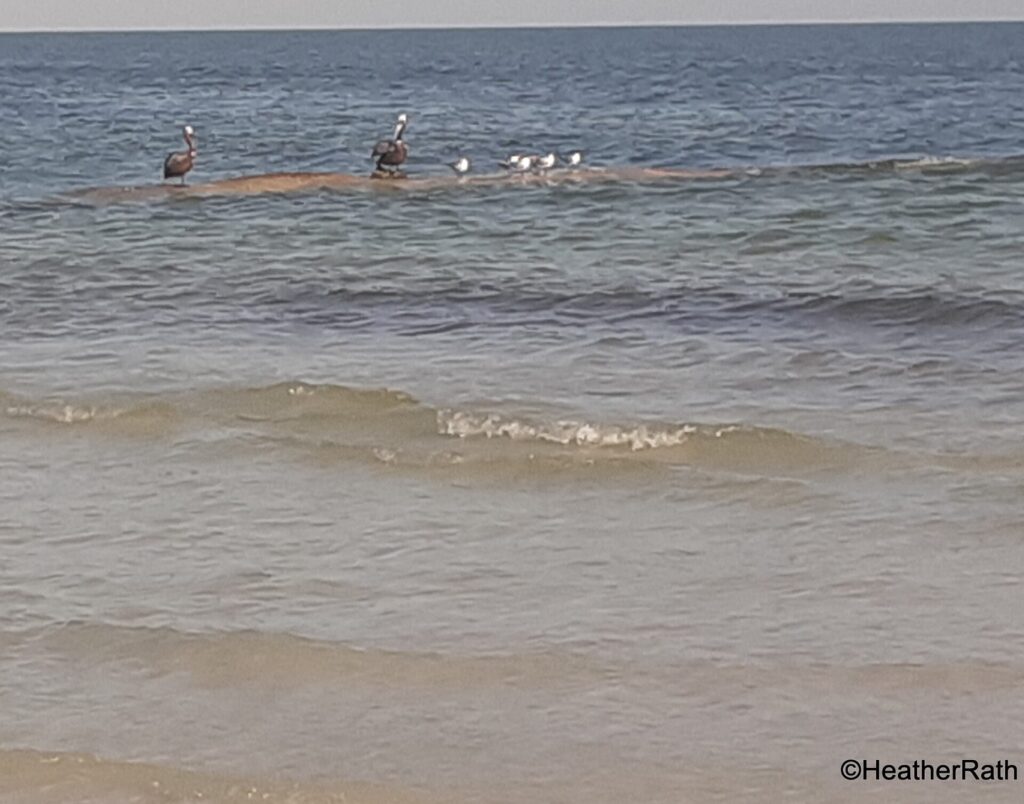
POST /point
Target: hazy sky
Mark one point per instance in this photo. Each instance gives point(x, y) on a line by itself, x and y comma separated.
point(108, 14)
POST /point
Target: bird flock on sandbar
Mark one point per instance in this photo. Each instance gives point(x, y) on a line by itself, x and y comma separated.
point(389, 156)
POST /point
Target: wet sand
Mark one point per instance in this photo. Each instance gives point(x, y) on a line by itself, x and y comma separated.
point(300, 182)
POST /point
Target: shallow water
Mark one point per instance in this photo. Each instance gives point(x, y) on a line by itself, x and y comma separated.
point(673, 490)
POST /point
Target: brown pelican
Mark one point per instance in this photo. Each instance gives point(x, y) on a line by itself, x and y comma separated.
point(180, 162)
point(461, 165)
point(392, 153)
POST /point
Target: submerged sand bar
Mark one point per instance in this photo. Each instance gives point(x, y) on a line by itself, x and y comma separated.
point(306, 182)
point(266, 183)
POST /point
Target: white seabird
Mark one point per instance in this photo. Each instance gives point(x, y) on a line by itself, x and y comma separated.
point(546, 162)
point(461, 165)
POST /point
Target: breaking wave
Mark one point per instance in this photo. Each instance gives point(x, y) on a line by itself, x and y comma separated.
point(332, 424)
point(566, 433)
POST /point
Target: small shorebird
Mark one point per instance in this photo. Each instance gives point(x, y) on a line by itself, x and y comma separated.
point(524, 164)
point(575, 159)
point(390, 154)
point(461, 165)
point(546, 162)
point(178, 163)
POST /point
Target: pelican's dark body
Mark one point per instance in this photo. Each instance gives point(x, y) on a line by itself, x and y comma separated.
point(178, 163)
point(390, 154)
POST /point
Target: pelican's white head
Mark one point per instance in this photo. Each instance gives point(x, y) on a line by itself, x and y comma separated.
point(400, 123)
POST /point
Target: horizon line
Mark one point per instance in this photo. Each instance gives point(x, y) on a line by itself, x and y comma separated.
point(540, 25)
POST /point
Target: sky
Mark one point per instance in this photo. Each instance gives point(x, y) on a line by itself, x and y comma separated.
point(231, 14)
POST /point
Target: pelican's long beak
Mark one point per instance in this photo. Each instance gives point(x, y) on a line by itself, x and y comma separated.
point(400, 125)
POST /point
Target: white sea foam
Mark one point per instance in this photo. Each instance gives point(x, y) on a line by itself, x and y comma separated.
point(639, 437)
point(935, 161)
point(62, 414)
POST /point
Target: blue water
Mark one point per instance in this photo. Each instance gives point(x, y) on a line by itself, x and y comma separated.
point(104, 108)
point(590, 477)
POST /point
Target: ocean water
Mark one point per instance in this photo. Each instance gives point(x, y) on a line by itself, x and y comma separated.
point(610, 486)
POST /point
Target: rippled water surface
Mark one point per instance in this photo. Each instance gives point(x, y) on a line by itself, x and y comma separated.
point(614, 485)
